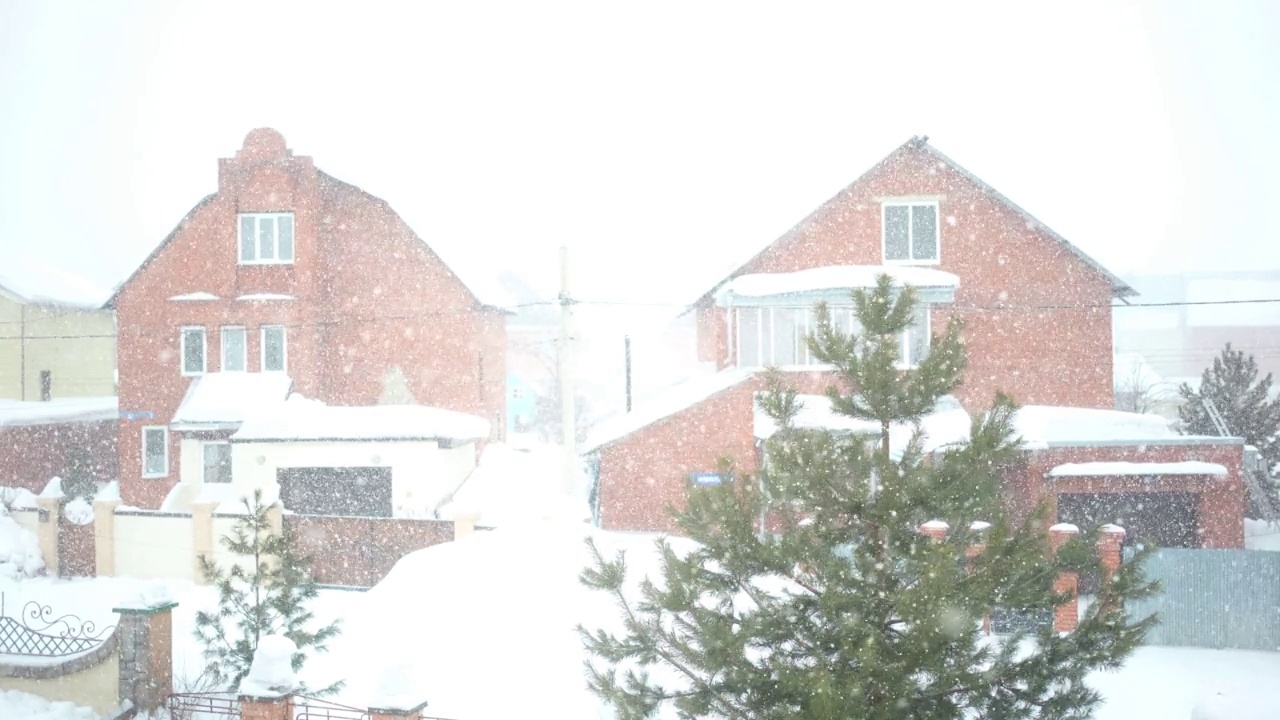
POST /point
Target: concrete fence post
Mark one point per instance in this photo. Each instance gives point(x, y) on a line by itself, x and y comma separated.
point(464, 525)
point(145, 647)
point(202, 539)
point(50, 510)
point(104, 537)
point(1067, 615)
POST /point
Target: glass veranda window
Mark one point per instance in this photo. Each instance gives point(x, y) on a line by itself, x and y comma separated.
point(779, 335)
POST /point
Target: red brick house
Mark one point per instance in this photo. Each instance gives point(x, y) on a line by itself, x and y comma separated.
point(1036, 310)
point(288, 270)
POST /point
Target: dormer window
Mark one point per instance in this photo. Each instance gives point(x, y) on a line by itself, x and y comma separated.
point(266, 238)
point(910, 232)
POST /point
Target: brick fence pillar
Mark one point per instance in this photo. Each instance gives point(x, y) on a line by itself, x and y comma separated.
point(1110, 542)
point(975, 549)
point(935, 529)
point(104, 537)
point(50, 514)
point(409, 712)
point(258, 707)
point(145, 646)
point(1067, 615)
point(202, 540)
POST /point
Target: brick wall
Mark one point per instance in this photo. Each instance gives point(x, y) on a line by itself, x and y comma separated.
point(1045, 357)
point(32, 454)
point(369, 298)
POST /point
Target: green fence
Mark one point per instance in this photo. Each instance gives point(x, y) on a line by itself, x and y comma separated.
point(1214, 599)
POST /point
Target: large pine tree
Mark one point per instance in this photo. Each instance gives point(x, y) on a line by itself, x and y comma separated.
point(1242, 399)
point(843, 609)
point(265, 592)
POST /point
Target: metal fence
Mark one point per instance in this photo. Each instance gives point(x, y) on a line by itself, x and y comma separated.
point(1214, 599)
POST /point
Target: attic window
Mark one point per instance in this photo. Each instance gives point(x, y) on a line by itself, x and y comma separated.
point(266, 238)
point(911, 232)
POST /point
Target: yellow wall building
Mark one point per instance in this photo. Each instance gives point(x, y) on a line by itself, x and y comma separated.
point(55, 340)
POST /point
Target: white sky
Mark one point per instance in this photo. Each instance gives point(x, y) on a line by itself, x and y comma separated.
point(665, 142)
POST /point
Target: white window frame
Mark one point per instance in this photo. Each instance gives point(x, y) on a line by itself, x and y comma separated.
point(182, 349)
point(204, 464)
point(284, 348)
point(258, 218)
point(884, 231)
point(164, 429)
point(244, 347)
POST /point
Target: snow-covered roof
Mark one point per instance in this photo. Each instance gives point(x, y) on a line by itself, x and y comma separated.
point(1189, 467)
point(662, 405)
point(34, 281)
point(303, 419)
point(1042, 426)
point(58, 410)
point(227, 398)
point(836, 277)
point(948, 424)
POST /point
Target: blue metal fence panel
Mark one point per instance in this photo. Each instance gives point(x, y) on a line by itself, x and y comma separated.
point(1214, 599)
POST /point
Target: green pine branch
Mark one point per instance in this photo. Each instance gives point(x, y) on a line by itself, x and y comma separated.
point(843, 609)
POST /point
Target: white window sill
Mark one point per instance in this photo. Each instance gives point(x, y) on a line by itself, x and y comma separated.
point(266, 262)
point(935, 261)
point(193, 374)
point(155, 477)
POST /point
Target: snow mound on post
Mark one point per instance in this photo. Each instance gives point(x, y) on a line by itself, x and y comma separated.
point(271, 673)
point(78, 512)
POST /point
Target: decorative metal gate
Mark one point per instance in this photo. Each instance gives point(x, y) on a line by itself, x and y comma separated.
point(37, 633)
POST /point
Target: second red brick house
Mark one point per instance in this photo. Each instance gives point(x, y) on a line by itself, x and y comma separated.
point(287, 270)
point(1037, 315)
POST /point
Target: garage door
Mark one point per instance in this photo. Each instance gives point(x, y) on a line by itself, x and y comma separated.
point(1164, 519)
point(351, 491)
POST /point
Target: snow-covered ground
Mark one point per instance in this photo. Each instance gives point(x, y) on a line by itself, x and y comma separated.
point(483, 629)
point(14, 705)
point(1261, 535)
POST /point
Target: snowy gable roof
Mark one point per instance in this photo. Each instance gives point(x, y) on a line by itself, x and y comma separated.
point(227, 398)
point(33, 281)
point(948, 424)
point(306, 420)
point(663, 405)
point(59, 410)
point(817, 283)
point(1119, 287)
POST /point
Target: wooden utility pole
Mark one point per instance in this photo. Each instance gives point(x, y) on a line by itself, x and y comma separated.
point(564, 371)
